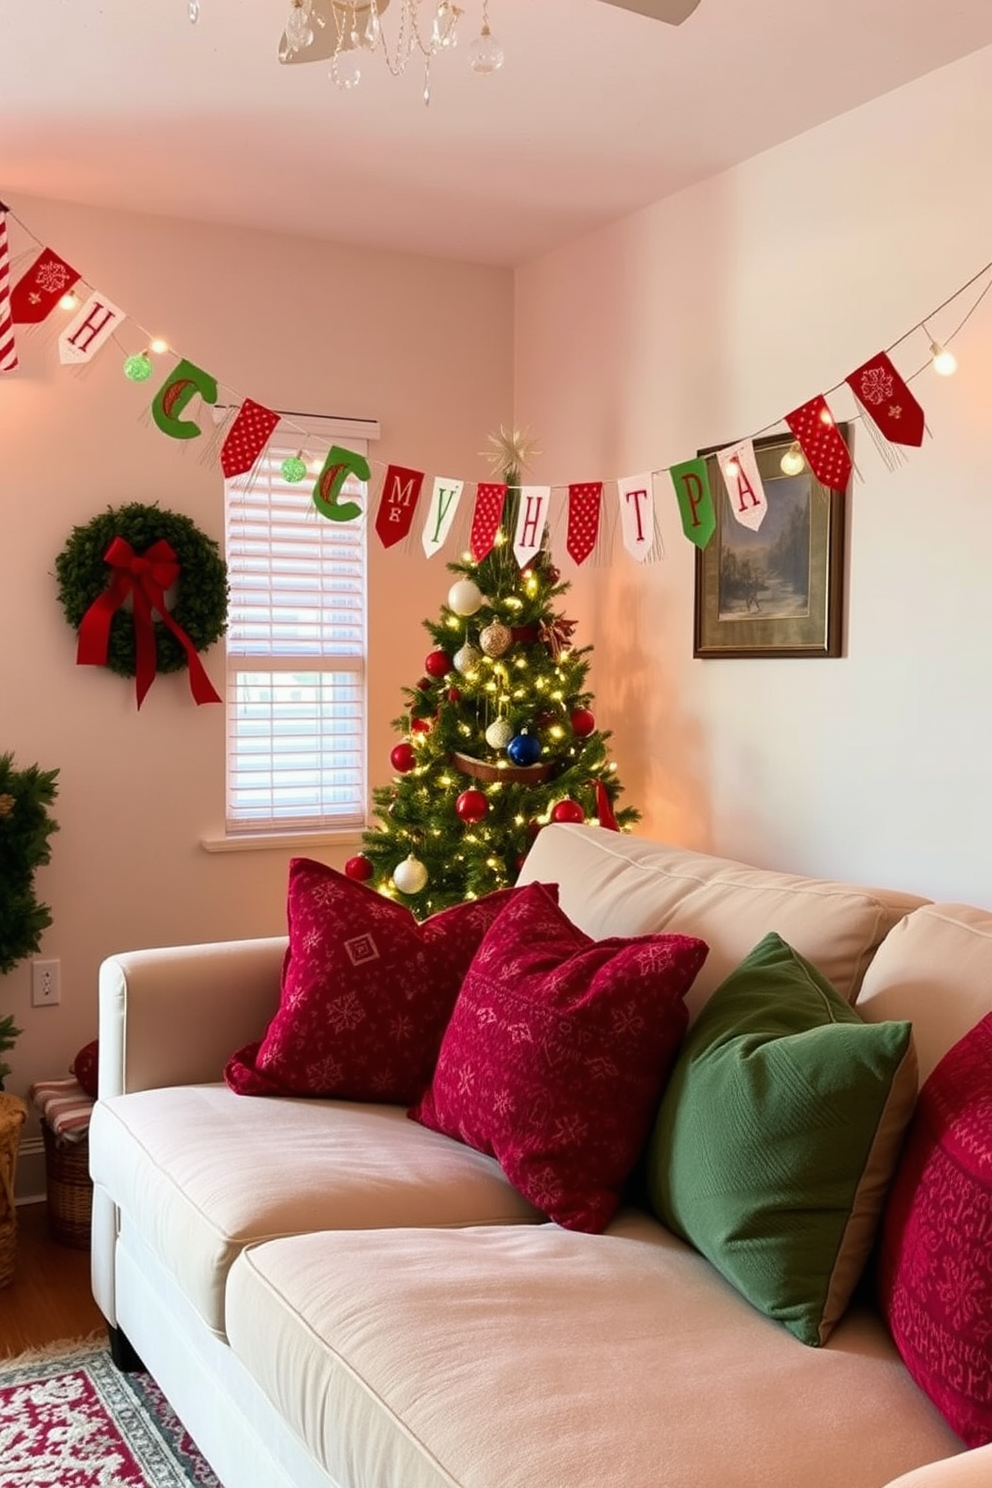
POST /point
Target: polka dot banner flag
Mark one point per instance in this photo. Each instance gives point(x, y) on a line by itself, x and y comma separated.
point(584, 502)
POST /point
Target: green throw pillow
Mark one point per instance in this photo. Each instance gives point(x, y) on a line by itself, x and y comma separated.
point(778, 1135)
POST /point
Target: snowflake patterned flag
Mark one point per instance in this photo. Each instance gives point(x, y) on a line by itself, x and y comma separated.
point(489, 499)
point(739, 469)
point(695, 499)
point(8, 346)
point(39, 290)
point(247, 438)
point(531, 520)
point(397, 504)
point(584, 502)
point(89, 331)
point(441, 513)
point(822, 443)
point(893, 412)
point(636, 494)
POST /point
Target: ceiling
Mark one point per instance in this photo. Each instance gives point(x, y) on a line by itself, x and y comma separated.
point(597, 111)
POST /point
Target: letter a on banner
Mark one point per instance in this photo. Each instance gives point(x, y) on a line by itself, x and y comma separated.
point(88, 331)
point(739, 469)
point(637, 514)
point(441, 513)
point(531, 518)
point(397, 504)
point(695, 499)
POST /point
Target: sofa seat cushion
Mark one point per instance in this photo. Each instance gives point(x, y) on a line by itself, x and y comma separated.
point(533, 1355)
point(201, 1172)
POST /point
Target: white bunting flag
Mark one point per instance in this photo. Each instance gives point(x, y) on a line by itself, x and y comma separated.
point(531, 520)
point(739, 469)
point(441, 513)
point(88, 330)
point(637, 514)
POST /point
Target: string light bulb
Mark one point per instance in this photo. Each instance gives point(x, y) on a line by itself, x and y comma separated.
point(69, 301)
point(945, 363)
point(793, 462)
point(158, 346)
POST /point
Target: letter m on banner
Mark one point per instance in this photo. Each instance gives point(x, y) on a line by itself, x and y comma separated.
point(397, 504)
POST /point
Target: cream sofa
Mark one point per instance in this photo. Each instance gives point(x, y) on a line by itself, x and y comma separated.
point(331, 1294)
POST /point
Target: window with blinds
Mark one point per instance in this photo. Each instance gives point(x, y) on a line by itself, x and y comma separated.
point(296, 655)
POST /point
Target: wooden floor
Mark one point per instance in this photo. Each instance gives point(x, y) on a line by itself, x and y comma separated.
point(49, 1297)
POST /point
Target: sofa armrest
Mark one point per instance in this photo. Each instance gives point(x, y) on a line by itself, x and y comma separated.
point(968, 1470)
point(175, 1015)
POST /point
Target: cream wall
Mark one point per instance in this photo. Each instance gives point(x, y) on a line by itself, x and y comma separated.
point(705, 318)
point(423, 346)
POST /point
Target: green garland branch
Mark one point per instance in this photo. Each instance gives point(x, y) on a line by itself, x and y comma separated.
point(26, 824)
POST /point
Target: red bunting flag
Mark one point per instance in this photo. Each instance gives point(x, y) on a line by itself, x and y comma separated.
point(584, 502)
point(39, 290)
point(822, 443)
point(489, 499)
point(246, 438)
point(8, 346)
point(397, 504)
point(887, 401)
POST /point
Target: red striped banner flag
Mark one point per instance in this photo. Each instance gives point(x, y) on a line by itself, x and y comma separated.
point(8, 347)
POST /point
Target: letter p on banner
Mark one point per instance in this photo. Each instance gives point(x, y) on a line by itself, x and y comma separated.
point(695, 499)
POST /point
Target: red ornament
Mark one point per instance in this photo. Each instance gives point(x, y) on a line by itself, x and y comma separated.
point(359, 868)
point(424, 684)
point(438, 664)
point(471, 806)
point(454, 696)
point(402, 757)
point(583, 723)
point(568, 811)
point(421, 725)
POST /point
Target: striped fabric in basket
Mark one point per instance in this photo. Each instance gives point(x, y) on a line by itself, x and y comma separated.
point(64, 1106)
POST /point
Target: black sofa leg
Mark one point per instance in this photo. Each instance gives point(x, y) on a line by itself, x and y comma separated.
point(122, 1351)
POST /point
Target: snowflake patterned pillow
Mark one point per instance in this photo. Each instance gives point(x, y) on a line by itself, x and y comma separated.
point(366, 991)
point(557, 1053)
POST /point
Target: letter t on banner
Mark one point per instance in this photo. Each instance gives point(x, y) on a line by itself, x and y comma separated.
point(637, 514)
point(531, 519)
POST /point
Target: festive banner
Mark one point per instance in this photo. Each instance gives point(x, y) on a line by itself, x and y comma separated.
point(89, 330)
point(247, 438)
point(584, 503)
point(490, 497)
point(887, 401)
point(532, 516)
point(8, 346)
point(637, 514)
point(397, 504)
point(822, 443)
point(445, 498)
point(183, 382)
point(695, 499)
point(739, 469)
point(340, 463)
point(38, 291)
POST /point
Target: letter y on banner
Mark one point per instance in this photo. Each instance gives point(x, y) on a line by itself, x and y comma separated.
point(637, 514)
point(739, 469)
point(531, 520)
point(441, 513)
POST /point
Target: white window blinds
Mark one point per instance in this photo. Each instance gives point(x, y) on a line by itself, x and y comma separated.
point(296, 655)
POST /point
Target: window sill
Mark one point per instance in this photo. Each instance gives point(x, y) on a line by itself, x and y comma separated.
point(279, 841)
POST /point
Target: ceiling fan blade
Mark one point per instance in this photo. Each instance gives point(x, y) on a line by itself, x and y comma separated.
point(672, 12)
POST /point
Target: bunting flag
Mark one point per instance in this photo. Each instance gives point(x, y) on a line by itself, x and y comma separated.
point(183, 383)
point(8, 346)
point(39, 290)
point(247, 438)
point(637, 514)
point(441, 513)
point(531, 520)
point(89, 331)
point(695, 499)
point(339, 464)
point(822, 443)
point(584, 502)
point(891, 408)
point(490, 497)
point(397, 504)
point(739, 469)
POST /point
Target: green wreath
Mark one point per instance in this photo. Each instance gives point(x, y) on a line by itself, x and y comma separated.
point(200, 607)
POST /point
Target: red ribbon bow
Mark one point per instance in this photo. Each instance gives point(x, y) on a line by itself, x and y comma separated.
point(145, 577)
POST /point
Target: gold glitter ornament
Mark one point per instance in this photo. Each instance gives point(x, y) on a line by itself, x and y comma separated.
point(495, 640)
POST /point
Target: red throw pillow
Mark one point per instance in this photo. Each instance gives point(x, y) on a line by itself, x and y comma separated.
point(557, 1052)
point(84, 1067)
point(366, 991)
point(935, 1272)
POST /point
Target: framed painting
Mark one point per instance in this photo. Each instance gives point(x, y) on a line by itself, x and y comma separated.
point(778, 591)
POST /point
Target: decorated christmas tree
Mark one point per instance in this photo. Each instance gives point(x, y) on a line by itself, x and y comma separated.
point(498, 737)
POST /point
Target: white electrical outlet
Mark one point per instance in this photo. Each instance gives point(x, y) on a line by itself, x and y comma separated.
point(45, 983)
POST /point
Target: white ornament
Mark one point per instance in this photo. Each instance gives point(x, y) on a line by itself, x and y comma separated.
point(467, 659)
point(410, 876)
point(499, 733)
point(496, 638)
point(465, 597)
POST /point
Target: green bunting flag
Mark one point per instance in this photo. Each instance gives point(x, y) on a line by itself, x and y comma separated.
point(692, 490)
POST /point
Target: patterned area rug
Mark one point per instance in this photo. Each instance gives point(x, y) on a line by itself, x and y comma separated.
point(70, 1419)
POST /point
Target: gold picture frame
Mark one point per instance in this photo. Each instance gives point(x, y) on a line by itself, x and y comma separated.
point(778, 591)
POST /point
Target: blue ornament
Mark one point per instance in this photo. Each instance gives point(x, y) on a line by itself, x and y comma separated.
point(524, 749)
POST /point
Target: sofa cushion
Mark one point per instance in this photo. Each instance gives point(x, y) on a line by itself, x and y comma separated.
point(537, 1357)
point(557, 1052)
point(200, 1174)
point(366, 991)
point(616, 884)
point(778, 1135)
point(935, 1269)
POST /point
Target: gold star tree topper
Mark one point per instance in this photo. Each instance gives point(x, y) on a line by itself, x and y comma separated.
point(510, 451)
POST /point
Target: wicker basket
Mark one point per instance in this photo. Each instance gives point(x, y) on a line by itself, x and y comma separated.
point(13, 1113)
point(70, 1189)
